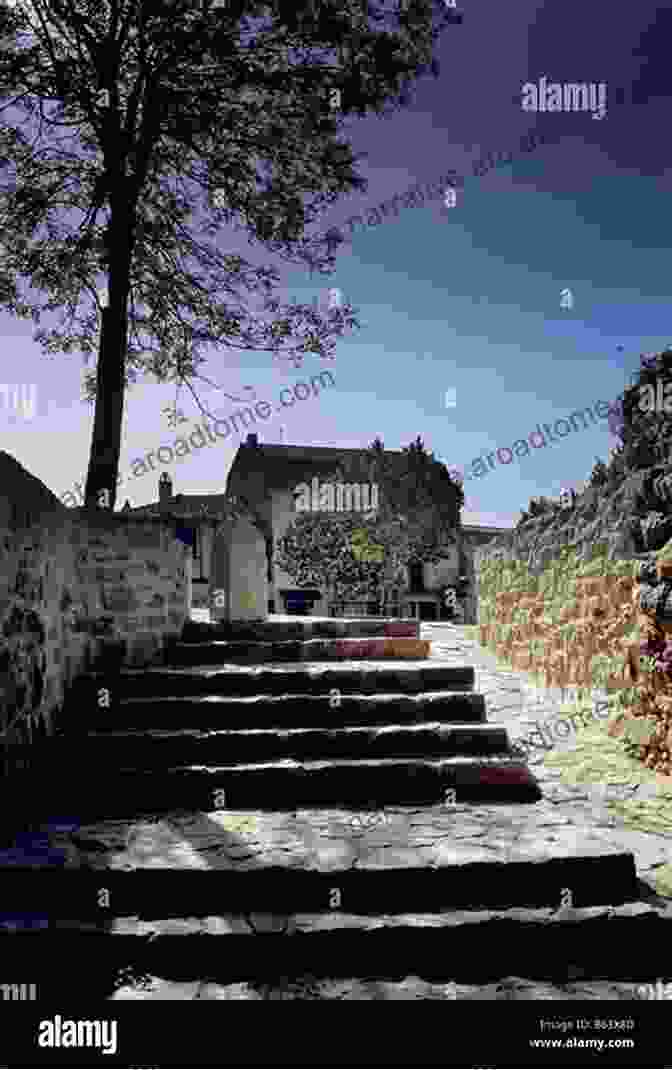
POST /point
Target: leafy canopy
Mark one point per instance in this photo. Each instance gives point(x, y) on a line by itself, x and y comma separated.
point(133, 131)
point(419, 508)
point(145, 128)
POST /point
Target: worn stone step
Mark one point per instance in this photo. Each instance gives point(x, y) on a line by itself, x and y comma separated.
point(89, 708)
point(411, 859)
point(330, 649)
point(317, 678)
point(155, 747)
point(282, 892)
point(298, 628)
point(622, 943)
point(572, 986)
point(289, 784)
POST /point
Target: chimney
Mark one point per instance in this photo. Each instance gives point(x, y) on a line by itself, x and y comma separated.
point(252, 439)
point(165, 491)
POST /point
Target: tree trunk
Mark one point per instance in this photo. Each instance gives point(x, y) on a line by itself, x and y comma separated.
point(102, 476)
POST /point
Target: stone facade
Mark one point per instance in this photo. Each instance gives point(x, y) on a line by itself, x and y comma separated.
point(78, 588)
point(267, 479)
point(228, 551)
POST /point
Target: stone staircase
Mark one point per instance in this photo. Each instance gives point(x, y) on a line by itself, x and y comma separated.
point(322, 779)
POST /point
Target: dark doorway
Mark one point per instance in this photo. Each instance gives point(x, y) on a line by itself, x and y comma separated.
point(415, 577)
point(428, 611)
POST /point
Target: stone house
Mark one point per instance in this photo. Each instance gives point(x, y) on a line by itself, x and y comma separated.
point(228, 551)
point(232, 536)
point(278, 481)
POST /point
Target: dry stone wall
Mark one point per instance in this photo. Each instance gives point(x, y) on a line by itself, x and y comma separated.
point(571, 626)
point(570, 595)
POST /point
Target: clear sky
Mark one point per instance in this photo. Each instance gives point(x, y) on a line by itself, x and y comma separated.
point(464, 299)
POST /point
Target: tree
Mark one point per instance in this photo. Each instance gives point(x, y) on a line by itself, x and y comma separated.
point(536, 507)
point(419, 508)
point(136, 129)
point(318, 550)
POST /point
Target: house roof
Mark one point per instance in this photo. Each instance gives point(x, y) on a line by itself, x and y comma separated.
point(189, 506)
point(274, 464)
point(246, 453)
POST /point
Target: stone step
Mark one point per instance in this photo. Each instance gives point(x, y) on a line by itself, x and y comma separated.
point(85, 710)
point(570, 986)
point(284, 894)
point(317, 678)
point(299, 628)
point(154, 747)
point(331, 649)
point(281, 785)
point(224, 861)
point(627, 944)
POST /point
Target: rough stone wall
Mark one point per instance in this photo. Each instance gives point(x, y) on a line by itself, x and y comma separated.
point(555, 595)
point(648, 730)
point(77, 590)
point(573, 626)
point(621, 522)
point(569, 595)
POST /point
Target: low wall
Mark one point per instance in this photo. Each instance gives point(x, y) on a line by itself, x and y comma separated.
point(81, 590)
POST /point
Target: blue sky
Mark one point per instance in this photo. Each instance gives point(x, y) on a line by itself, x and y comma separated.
point(464, 298)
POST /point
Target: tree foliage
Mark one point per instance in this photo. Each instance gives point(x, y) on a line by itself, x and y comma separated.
point(133, 131)
point(647, 436)
point(418, 512)
point(317, 550)
point(538, 507)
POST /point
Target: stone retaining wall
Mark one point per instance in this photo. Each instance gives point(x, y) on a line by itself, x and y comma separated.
point(572, 626)
point(569, 595)
point(82, 589)
point(557, 594)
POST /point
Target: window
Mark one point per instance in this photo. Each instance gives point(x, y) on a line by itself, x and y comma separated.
point(197, 552)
